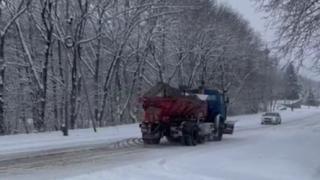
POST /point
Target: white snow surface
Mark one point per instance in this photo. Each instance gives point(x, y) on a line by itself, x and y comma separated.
point(289, 151)
point(29, 144)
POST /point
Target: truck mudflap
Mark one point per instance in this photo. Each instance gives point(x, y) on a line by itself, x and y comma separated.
point(229, 126)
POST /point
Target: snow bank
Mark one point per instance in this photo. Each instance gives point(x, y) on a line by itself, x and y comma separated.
point(22, 145)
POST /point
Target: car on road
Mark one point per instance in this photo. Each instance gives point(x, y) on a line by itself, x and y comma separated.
point(271, 118)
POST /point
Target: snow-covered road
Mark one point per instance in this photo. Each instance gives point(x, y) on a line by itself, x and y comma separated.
point(289, 151)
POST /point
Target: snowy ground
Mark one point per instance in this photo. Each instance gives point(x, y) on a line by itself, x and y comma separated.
point(48, 143)
point(289, 151)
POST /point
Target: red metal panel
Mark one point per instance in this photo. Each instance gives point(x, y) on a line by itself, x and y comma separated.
point(164, 109)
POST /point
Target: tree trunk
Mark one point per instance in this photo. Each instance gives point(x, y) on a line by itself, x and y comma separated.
point(96, 75)
point(61, 99)
point(47, 21)
point(55, 96)
point(2, 70)
point(73, 98)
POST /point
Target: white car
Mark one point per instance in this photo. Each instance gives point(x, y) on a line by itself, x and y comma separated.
point(271, 118)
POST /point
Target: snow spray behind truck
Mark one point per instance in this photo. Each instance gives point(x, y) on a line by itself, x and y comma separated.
point(186, 116)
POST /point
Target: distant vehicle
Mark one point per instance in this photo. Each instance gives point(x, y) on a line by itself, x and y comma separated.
point(271, 118)
point(281, 107)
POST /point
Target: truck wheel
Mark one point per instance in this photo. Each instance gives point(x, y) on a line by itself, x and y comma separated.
point(218, 132)
point(189, 140)
point(151, 141)
point(146, 141)
point(190, 136)
point(201, 139)
point(156, 141)
point(172, 139)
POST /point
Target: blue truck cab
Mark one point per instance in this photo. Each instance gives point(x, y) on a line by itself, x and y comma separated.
point(217, 104)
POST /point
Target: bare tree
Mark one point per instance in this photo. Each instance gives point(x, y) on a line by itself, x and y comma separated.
point(18, 11)
point(298, 24)
point(86, 63)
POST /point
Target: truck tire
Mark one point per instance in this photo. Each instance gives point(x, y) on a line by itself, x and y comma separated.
point(189, 140)
point(218, 132)
point(151, 141)
point(201, 139)
point(190, 135)
point(171, 139)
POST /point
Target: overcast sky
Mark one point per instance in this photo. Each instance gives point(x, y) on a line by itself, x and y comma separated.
point(256, 20)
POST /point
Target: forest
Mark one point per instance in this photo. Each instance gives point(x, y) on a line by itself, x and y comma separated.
point(85, 63)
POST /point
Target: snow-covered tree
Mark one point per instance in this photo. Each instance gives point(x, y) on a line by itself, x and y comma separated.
point(84, 63)
point(16, 9)
point(292, 86)
point(311, 99)
point(298, 26)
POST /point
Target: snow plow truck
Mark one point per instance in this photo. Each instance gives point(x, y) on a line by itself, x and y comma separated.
point(184, 116)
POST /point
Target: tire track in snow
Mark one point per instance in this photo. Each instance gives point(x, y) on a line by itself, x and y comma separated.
point(64, 158)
